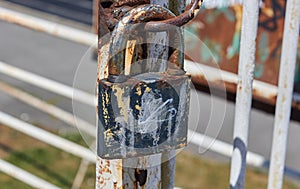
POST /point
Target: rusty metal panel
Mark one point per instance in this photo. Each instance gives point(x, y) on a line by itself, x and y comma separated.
point(219, 28)
point(218, 25)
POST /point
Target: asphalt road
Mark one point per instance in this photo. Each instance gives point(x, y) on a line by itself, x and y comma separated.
point(59, 59)
point(77, 10)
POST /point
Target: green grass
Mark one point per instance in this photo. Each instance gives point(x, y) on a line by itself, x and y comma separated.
point(48, 163)
point(59, 167)
point(195, 173)
point(7, 182)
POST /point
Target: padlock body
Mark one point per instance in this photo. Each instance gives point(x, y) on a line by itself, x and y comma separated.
point(146, 114)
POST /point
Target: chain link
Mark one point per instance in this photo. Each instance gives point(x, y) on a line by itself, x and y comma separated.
point(112, 14)
point(191, 11)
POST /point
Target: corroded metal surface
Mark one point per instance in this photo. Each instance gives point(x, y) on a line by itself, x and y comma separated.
point(219, 16)
point(219, 27)
point(144, 115)
point(180, 20)
point(142, 172)
point(123, 31)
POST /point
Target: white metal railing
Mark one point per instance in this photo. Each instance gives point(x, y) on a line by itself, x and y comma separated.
point(243, 102)
point(47, 84)
point(25, 176)
point(48, 27)
point(50, 109)
point(244, 93)
point(47, 137)
point(264, 90)
point(285, 93)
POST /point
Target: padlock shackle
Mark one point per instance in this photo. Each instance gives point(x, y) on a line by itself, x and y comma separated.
point(120, 35)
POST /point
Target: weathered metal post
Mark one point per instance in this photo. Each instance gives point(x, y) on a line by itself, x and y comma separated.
point(285, 93)
point(244, 93)
point(112, 173)
point(120, 167)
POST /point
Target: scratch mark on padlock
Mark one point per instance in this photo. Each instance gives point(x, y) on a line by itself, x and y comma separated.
point(153, 111)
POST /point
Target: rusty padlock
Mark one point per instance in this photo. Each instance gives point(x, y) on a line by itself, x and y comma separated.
point(146, 113)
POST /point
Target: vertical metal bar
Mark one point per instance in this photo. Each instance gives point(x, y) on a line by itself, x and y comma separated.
point(158, 62)
point(158, 54)
point(115, 173)
point(244, 93)
point(285, 91)
point(95, 15)
point(83, 167)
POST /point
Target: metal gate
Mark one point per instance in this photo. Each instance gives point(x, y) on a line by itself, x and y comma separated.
point(284, 90)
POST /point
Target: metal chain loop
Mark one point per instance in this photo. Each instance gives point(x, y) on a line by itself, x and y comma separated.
point(118, 10)
point(191, 11)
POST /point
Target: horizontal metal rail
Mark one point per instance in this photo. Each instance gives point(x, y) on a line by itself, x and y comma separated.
point(260, 89)
point(196, 138)
point(48, 84)
point(25, 176)
point(212, 75)
point(47, 137)
point(216, 76)
point(48, 27)
point(50, 109)
point(223, 148)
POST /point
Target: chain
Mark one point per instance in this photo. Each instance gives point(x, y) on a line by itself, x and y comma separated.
point(192, 10)
point(113, 13)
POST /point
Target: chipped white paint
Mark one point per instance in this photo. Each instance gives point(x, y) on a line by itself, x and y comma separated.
point(103, 66)
point(244, 91)
point(285, 92)
point(108, 174)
